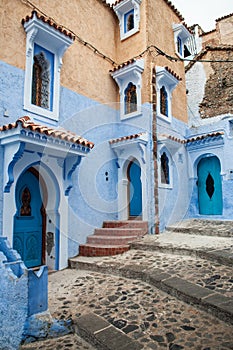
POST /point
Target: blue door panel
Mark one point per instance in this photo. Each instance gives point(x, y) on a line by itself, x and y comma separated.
point(135, 190)
point(209, 186)
point(27, 239)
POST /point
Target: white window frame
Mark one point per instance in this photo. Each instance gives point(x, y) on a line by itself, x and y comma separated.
point(166, 79)
point(121, 9)
point(131, 73)
point(180, 31)
point(53, 40)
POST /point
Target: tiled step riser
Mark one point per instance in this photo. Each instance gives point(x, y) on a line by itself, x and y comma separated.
point(106, 240)
point(202, 231)
point(93, 251)
point(119, 232)
point(125, 224)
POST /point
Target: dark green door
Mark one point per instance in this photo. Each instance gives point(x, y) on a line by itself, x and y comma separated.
point(209, 186)
point(27, 239)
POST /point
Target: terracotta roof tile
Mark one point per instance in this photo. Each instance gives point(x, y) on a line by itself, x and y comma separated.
point(173, 138)
point(125, 138)
point(122, 65)
point(204, 136)
point(49, 22)
point(173, 73)
point(224, 17)
point(192, 139)
point(62, 134)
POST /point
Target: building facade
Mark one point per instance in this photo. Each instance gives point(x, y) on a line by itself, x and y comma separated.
point(151, 146)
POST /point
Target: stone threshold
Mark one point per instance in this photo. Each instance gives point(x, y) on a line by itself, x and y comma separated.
point(221, 256)
point(101, 334)
point(207, 300)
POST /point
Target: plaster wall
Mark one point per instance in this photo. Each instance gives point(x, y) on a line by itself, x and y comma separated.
point(225, 29)
point(160, 18)
point(82, 70)
point(13, 305)
point(173, 200)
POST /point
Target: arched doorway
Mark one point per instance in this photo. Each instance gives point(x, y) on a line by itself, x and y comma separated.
point(209, 186)
point(135, 189)
point(30, 219)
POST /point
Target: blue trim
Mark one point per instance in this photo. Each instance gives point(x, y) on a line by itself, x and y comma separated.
point(15, 159)
point(126, 16)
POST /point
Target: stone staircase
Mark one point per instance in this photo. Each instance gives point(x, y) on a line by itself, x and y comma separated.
point(113, 238)
point(217, 228)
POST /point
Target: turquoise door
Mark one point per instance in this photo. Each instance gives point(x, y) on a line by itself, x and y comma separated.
point(209, 186)
point(135, 189)
point(27, 239)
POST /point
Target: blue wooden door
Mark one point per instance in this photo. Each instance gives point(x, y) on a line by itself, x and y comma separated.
point(135, 189)
point(209, 186)
point(27, 239)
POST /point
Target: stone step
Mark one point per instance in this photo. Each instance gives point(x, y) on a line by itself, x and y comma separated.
point(94, 250)
point(126, 224)
point(208, 300)
point(110, 240)
point(138, 232)
point(106, 240)
point(203, 227)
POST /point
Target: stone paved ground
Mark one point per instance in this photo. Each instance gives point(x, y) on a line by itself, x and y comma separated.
point(145, 313)
point(155, 319)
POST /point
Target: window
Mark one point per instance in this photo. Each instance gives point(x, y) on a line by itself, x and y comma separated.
point(165, 166)
point(182, 37)
point(165, 179)
point(166, 81)
point(42, 78)
point(130, 99)
point(45, 48)
point(128, 13)
point(163, 101)
point(129, 80)
point(129, 21)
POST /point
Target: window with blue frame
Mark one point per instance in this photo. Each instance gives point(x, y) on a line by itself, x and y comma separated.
point(163, 101)
point(179, 46)
point(129, 21)
point(165, 177)
point(42, 78)
point(130, 98)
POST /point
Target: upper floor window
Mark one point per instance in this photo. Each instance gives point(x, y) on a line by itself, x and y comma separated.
point(130, 99)
point(163, 101)
point(129, 21)
point(129, 80)
point(45, 48)
point(166, 81)
point(128, 13)
point(181, 37)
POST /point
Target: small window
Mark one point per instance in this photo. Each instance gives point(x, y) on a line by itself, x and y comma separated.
point(163, 101)
point(130, 99)
point(128, 13)
point(129, 21)
point(45, 48)
point(179, 46)
point(165, 177)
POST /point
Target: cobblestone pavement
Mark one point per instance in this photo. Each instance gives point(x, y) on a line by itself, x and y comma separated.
point(145, 313)
point(200, 271)
point(155, 319)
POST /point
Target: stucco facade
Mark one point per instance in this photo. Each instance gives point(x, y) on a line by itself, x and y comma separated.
point(105, 88)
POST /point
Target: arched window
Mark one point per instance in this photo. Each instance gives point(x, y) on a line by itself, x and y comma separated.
point(179, 46)
point(41, 81)
point(130, 22)
point(130, 99)
point(165, 177)
point(163, 101)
